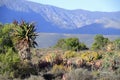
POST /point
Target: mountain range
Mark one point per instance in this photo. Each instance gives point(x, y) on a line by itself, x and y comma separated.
point(51, 19)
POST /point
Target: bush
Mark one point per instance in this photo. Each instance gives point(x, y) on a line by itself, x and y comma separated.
point(11, 66)
point(7, 62)
point(117, 44)
point(58, 69)
point(69, 54)
point(53, 58)
point(107, 75)
point(89, 56)
point(111, 61)
point(24, 70)
point(71, 44)
point(100, 42)
point(5, 37)
point(78, 74)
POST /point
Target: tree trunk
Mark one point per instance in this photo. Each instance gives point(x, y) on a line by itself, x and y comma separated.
point(24, 51)
point(25, 54)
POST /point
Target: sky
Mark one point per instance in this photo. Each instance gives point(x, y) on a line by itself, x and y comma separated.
point(91, 5)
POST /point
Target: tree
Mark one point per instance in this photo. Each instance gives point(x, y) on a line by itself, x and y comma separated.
point(71, 44)
point(24, 35)
point(60, 43)
point(100, 42)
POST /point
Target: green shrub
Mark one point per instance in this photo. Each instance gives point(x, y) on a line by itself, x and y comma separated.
point(69, 54)
point(7, 62)
point(117, 44)
point(111, 60)
point(13, 68)
point(71, 44)
point(5, 37)
point(100, 42)
point(89, 56)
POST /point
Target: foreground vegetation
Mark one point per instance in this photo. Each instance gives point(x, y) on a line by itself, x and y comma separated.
point(69, 59)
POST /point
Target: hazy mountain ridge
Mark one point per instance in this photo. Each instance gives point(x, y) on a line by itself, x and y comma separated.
point(53, 19)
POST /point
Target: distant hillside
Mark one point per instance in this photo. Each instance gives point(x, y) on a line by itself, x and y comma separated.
point(57, 20)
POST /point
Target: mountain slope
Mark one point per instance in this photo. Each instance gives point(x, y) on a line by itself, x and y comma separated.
point(58, 20)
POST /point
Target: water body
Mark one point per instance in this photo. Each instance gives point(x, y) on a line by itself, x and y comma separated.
point(46, 40)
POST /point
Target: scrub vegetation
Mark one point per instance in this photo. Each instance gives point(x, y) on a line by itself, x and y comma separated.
point(69, 59)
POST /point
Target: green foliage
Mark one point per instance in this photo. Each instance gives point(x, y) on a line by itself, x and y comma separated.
point(71, 44)
point(8, 61)
point(25, 32)
point(61, 44)
point(5, 37)
point(111, 60)
point(117, 44)
point(100, 42)
point(69, 54)
point(24, 36)
point(12, 67)
point(89, 56)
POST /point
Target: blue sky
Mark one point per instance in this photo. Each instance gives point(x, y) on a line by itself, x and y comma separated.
point(92, 5)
